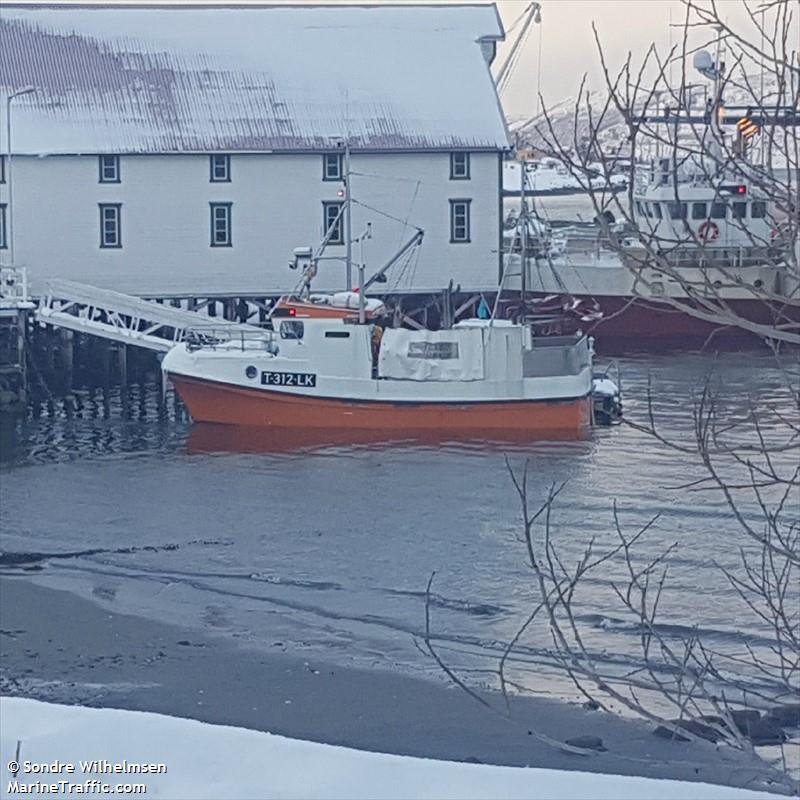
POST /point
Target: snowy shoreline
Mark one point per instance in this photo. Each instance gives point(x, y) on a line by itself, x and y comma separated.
point(198, 760)
point(60, 648)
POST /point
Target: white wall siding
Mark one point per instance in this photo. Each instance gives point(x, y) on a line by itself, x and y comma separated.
point(277, 206)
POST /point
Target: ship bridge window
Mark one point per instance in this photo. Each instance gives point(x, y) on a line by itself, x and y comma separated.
point(739, 210)
point(699, 210)
point(292, 329)
point(718, 210)
point(639, 210)
point(657, 210)
point(677, 210)
point(758, 209)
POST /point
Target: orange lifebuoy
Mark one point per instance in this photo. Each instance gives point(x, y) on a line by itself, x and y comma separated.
point(708, 231)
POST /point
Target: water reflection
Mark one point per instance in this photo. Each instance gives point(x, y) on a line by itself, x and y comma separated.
point(207, 438)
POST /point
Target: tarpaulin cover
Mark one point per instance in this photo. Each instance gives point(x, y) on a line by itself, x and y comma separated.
point(449, 355)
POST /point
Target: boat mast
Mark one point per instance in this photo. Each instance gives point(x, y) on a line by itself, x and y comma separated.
point(348, 217)
point(523, 238)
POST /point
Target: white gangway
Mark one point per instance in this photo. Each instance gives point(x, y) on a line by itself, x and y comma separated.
point(124, 318)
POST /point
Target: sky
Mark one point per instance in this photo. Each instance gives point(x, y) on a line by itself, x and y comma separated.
point(568, 48)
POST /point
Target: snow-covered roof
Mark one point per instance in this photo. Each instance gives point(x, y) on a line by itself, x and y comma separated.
point(135, 79)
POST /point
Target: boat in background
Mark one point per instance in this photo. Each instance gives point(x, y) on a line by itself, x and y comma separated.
point(706, 257)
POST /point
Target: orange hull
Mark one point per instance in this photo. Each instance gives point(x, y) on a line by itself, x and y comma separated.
point(210, 401)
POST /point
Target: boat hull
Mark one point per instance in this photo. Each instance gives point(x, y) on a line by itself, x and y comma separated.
point(212, 401)
point(629, 324)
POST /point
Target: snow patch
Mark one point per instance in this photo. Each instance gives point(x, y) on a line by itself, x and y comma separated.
point(213, 761)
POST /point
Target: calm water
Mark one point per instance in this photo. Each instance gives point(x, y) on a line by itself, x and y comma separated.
point(328, 549)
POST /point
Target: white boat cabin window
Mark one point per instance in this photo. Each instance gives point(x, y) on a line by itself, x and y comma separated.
point(677, 210)
point(292, 329)
point(332, 167)
point(718, 210)
point(739, 210)
point(433, 350)
point(639, 210)
point(657, 210)
point(759, 209)
point(699, 210)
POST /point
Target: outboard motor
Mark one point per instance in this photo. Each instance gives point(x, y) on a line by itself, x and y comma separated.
point(606, 400)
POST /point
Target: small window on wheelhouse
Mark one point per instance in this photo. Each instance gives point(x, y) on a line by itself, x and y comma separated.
point(699, 210)
point(292, 329)
point(718, 210)
point(739, 210)
point(758, 209)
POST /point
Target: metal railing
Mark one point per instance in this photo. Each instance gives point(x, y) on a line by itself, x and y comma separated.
point(202, 337)
point(556, 355)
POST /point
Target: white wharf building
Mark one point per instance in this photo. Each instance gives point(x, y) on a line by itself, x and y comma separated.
point(169, 151)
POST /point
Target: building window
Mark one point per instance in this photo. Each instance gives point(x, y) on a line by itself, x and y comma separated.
point(657, 210)
point(759, 209)
point(220, 169)
point(3, 237)
point(109, 169)
point(110, 225)
point(221, 225)
point(699, 210)
point(332, 167)
point(459, 166)
point(2, 169)
point(332, 222)
point(459, 221)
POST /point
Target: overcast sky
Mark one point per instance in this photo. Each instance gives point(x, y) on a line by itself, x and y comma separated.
point(569, 49)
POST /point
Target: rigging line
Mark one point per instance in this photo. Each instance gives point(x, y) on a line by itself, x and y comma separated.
point(410, 209)
point(382, 213)
point(513, 63)
point(539, 75)
point(384, 177)
point(517, 21)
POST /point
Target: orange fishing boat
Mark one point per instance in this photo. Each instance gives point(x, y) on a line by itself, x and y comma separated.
point(482, 376)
